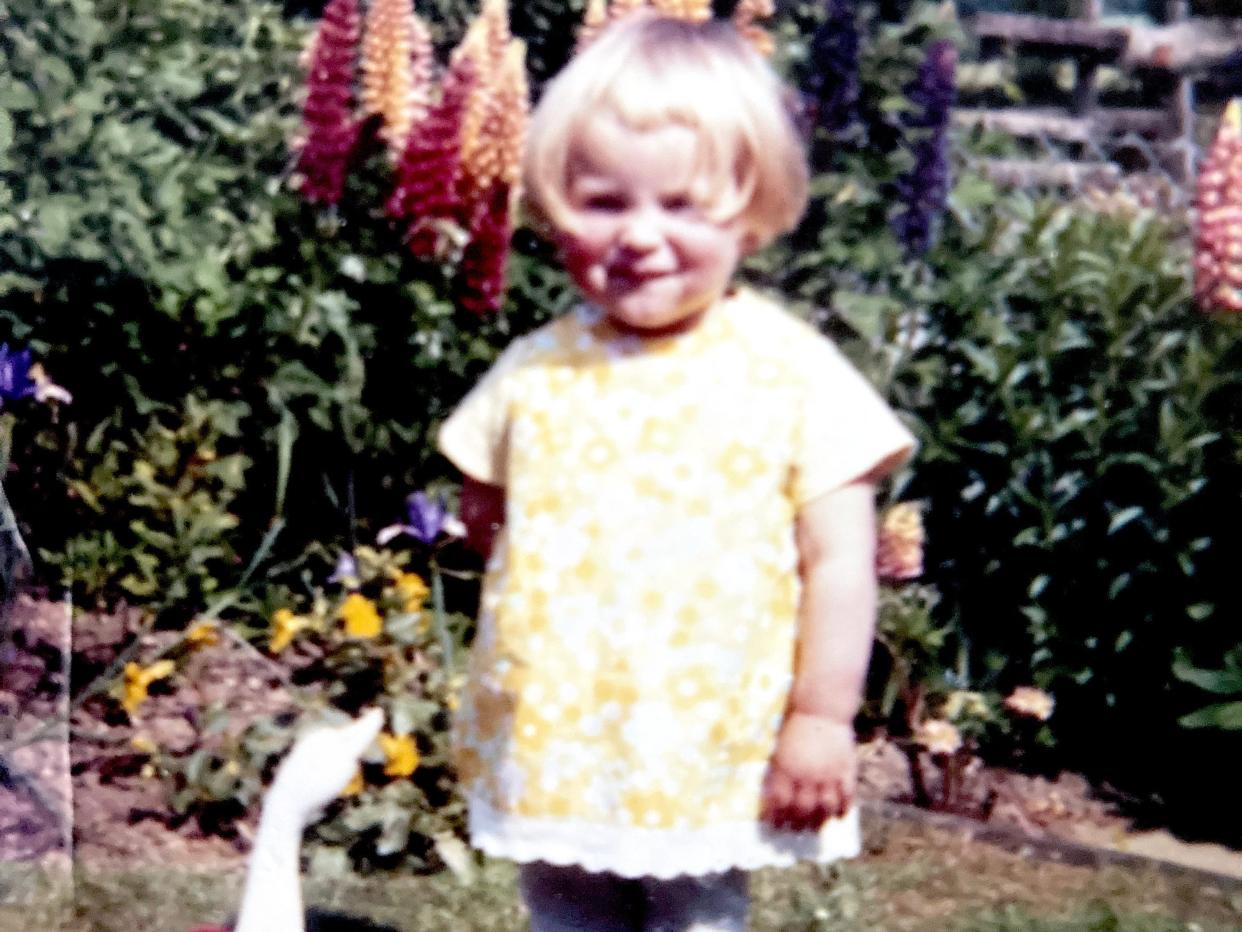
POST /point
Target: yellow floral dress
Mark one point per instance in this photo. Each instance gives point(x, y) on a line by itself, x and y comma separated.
point(636, 635)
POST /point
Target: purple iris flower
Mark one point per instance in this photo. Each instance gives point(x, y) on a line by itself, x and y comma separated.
point(15, 381)
point(427, 518)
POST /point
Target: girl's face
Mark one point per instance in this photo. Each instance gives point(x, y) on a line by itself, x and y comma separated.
point(640, 247)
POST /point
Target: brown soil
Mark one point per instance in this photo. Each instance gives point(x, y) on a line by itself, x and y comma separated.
point(98, 800)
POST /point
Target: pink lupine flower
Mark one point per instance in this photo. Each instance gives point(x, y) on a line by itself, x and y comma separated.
point(329, 124)
point(1218, 239)
point(428, 174)
point(482, 271)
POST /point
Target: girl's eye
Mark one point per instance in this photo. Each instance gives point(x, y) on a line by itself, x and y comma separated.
point(679, 203)
point(607, 203)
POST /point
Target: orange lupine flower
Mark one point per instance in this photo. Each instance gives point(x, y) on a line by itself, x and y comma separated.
point(899, 548)
point(1218, 240)
point(696, 11)
point(619, 9)
point(362, 619)
point(593, 21)
point(396, 69)
point(745, 15)
point(494, 122)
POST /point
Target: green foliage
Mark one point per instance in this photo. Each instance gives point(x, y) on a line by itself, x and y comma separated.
point(1078, 421)
point(163, 497)
point(160, 227)
point(913, 645)
point(1223, 682)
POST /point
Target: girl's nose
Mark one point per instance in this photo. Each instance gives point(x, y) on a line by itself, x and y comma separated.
point(640, 232)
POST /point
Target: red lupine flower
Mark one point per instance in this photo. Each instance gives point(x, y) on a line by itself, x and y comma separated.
point(430, 167)
point(1218, 240)
point(481, 279)
point(331, 128)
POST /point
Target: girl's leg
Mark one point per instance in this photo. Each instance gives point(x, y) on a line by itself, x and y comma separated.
point(713, 903)
point(570, 899)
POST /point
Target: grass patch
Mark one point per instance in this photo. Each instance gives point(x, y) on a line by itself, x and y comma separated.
point(914, 878)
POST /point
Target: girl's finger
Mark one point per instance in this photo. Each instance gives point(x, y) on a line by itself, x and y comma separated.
point(777, 799)
point(830, 798)
point(807, 806)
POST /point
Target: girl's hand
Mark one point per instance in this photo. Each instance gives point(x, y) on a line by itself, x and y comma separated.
point(813, 773)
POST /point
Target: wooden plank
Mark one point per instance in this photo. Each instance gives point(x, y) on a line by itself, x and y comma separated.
point(1053, 37)
point(1033, 173)
point(1192, 46)
point(1058, 124)
point(1027, 123)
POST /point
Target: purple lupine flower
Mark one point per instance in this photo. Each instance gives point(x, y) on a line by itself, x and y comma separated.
point(427, 519)
point(15, 380)
point(924, 190)
point(833, 86)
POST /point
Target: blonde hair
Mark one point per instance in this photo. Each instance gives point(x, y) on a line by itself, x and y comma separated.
point(649, 72)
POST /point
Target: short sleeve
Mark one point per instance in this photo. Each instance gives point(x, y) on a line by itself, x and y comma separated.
point(845, 430)
point(475, 436)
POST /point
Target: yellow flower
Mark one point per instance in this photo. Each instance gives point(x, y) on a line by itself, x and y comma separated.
point(137, 678)
point(143, 744)
point(1031, 702)
point(355, 784)
point(285, 625)
point(400, 755)
point(411, 589)
point(362, 619)
point(899, 550)
point(938, 736)
point(203, 632)
point(963, 703)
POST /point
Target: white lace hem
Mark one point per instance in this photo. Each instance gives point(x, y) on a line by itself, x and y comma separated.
point(631, 851)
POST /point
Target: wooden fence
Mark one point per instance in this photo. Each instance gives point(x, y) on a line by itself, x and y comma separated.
point(1082, 142)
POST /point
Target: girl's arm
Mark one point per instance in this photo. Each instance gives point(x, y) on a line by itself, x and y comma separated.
point(483, 512)
point(813, 770)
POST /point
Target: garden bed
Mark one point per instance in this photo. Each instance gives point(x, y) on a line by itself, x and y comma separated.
point(123, 828)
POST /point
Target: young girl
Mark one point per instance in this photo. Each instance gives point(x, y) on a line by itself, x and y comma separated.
point(678, 475)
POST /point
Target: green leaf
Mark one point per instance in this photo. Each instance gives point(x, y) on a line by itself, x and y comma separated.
point(1226, 715)
point(1221, 682)
point(867, 314)
point(1123, 517)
